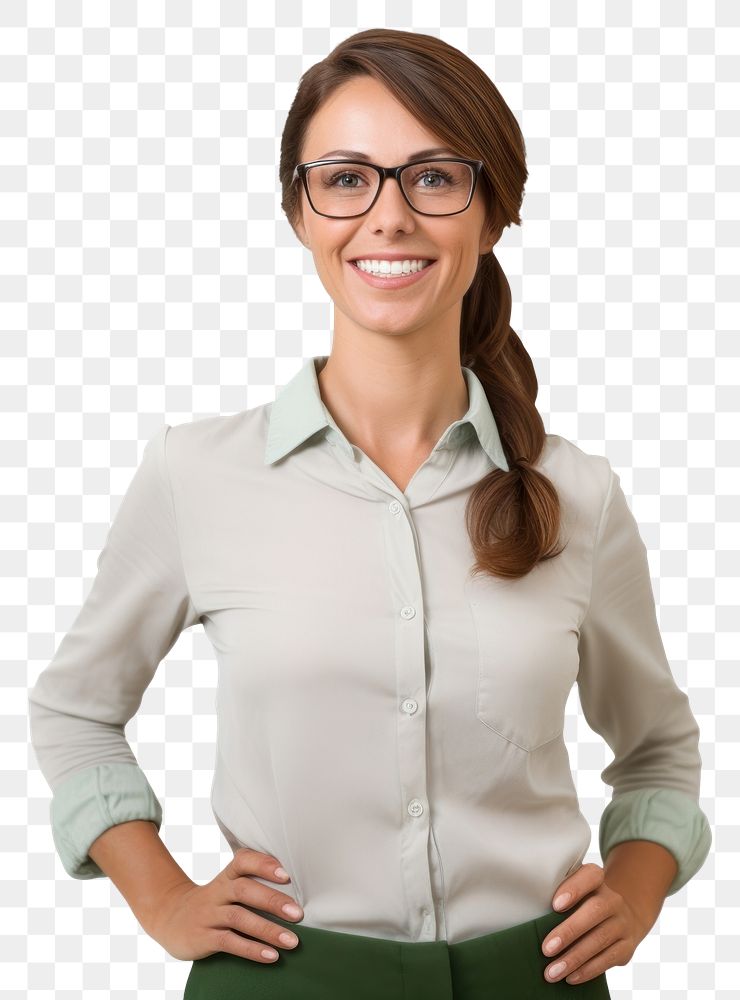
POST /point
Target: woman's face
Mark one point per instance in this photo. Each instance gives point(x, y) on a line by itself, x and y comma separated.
point(363, 115)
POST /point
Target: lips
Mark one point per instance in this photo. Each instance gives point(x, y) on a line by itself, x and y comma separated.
point(389, 282)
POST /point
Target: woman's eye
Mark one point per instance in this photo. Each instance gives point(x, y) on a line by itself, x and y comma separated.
point(343, 176)
point(436, 173)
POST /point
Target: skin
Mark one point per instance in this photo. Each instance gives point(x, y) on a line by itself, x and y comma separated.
point(614, 908)
point(393, 383)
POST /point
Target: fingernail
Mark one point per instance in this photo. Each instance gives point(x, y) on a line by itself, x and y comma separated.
point(553, 945)
point(556, 969)
point(289, 939)
point(269, 953)
point(292, 910)
point(281, 873)
point(562, 900)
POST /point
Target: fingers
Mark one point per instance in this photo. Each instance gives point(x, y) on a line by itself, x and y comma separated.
point(586, 935)
point(590, 914)
point(249, 892)
point(579, 969)
point(588, 878)
point(247, 861)
point(265, 931)
point(232, 942)
point(244, 896)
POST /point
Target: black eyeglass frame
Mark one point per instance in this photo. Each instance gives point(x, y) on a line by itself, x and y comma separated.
point(385, 172)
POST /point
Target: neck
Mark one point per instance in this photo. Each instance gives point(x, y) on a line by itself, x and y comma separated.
point(392, 404)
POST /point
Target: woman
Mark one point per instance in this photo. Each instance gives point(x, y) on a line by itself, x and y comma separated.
point(402, 589)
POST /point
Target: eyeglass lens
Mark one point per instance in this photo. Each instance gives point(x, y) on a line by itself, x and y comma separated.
point(439, 187)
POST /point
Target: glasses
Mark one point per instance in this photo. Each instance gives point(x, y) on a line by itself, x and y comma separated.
point(343, 189)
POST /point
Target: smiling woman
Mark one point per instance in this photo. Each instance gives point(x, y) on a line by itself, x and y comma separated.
point(429, 171)
point(376, 558)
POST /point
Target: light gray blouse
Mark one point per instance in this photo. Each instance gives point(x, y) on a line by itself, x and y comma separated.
point(389, 727)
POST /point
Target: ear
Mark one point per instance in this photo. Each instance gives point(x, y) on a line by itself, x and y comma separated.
point(300, 231)
point(489, 238)
point(299, 228)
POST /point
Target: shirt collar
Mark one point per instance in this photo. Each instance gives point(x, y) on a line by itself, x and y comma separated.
point(298, 412)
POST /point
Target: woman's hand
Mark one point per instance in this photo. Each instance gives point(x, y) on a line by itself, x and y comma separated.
point(194, 921)
point(603, 931)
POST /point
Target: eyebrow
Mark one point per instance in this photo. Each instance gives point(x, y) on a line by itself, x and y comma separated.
point(357, 155)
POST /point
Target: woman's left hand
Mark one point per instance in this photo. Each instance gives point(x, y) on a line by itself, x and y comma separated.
point(603, 931)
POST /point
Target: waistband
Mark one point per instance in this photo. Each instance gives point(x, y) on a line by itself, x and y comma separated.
point(336, 965)
point(499, 966)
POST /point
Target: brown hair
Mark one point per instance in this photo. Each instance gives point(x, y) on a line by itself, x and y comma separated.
point(512, 518)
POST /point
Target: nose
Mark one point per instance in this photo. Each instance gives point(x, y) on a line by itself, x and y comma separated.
point(390, 203)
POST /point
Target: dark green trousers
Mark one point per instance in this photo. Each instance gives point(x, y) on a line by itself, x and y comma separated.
point(332, 965)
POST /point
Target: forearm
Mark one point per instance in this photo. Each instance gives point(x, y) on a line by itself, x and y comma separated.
point(641, 871)
point(137, 861)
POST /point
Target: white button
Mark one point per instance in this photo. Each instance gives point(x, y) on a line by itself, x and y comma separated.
point(415, 808)
point(409, 706)
point(394, 507)
point(408, 612)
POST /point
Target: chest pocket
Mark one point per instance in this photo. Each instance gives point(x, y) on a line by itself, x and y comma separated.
point(527, 660)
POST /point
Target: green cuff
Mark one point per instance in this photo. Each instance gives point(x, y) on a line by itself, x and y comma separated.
point(665, 816)
point(90, 801)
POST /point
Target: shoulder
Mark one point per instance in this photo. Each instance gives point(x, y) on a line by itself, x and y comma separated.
point(207, 443)
point(584, 480)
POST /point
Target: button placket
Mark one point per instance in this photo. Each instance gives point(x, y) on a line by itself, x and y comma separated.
point(406, 594)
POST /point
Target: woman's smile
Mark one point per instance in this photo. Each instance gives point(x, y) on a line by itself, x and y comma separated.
point(391, 281)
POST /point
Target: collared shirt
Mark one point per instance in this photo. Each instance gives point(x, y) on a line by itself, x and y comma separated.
point(390, 727)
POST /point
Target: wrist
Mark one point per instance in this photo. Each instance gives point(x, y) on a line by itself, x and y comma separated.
point(136, 860)
point(641, 871)
point(157, 909)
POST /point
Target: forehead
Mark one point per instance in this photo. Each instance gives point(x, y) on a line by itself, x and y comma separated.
point(364, 119)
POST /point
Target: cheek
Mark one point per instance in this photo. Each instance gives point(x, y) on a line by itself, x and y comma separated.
point(463, 266)
point(330, 268)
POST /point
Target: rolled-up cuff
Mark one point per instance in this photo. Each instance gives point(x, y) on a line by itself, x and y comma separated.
point(90, 801)
point(665, 816)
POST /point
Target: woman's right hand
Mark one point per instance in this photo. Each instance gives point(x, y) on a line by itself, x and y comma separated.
point(194, 921)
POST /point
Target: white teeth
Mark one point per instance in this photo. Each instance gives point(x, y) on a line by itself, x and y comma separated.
point(392, 266)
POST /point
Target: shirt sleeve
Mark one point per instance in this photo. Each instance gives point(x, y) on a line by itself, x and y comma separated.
point(629, 696)
point(137, 606)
